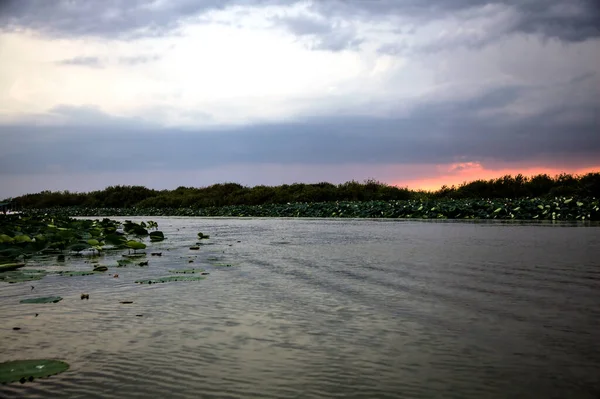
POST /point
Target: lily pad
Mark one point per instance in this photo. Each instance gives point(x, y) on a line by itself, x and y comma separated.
point(100, 268)
point(223, 264)
point(116, 240)
point(187, 271)
point(195, 248)
point(170, 279)
point(11, 266)
point(19, 276)
point(123, 262)
point(157, 236)
point(28, 370)
point(44, 299)
point(133, 244)
point(79, 247)
point(93, 242)
point(71, 273)
point(22, 238)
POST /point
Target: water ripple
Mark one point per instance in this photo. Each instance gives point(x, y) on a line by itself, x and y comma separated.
point(324, 309)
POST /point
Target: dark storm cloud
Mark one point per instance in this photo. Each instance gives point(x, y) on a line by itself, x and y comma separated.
point(433, 133)
point(105, 18)
point(83, 61)
point(573, 20)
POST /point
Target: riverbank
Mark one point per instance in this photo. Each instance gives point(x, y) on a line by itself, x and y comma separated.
point(558, 208)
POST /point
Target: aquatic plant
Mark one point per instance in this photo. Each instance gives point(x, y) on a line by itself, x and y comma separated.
point(187, 271)
point(74, 273)
point(156, 236)
point(123, 262)
point(556, 208)
point(170, 279)
point(27, 370)
point(46, 299)
point(10, 266)
point(23, 275)
point(135, 245)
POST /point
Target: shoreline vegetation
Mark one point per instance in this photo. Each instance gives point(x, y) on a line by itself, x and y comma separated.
point(541, 197)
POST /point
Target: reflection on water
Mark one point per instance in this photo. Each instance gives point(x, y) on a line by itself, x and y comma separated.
point(325, 308)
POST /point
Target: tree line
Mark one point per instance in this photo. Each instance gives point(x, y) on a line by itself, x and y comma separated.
point(224, 194)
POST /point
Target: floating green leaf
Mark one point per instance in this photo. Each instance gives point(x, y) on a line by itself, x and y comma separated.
point(45, 299)
point(157, 236)
point(22, 239)
point(116, 240)
point(20, 276)
point(135, 245)
point(170, 279)
point(78, 247)
point(73, 273)
point(28, 370)
point(187, 271)
point(123, 262)
point(10, 266)
point(4, 238)
point(100, 268)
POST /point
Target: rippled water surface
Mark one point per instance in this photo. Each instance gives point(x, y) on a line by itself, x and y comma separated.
point(323, 309)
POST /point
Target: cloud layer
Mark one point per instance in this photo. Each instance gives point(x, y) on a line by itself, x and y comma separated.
point(174, 86)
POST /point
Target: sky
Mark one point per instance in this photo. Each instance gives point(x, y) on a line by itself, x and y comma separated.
point(414, 93)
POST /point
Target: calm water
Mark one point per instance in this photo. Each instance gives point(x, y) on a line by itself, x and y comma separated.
point(324, 309)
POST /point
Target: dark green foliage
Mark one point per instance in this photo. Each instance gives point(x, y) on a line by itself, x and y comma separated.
point(516, 197)
point(156, 236)
point(22, 275)
point(28, 370)
point(233, 194)
point(10, 266)
point(561, 208)
point(541, 186)
point(46, 299)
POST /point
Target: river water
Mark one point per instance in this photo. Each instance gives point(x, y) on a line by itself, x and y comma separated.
point(314, 308)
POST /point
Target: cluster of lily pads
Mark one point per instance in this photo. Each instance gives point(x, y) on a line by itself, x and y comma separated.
point(25, 236)
point(558, 208)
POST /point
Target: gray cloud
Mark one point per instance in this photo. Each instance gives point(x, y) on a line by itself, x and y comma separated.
point(434, 132)
point(575, 20)
point(110, 18)
point(326, 34)
point(93, 62)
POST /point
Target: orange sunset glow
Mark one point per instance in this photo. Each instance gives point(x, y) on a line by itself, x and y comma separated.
point(458, 173)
